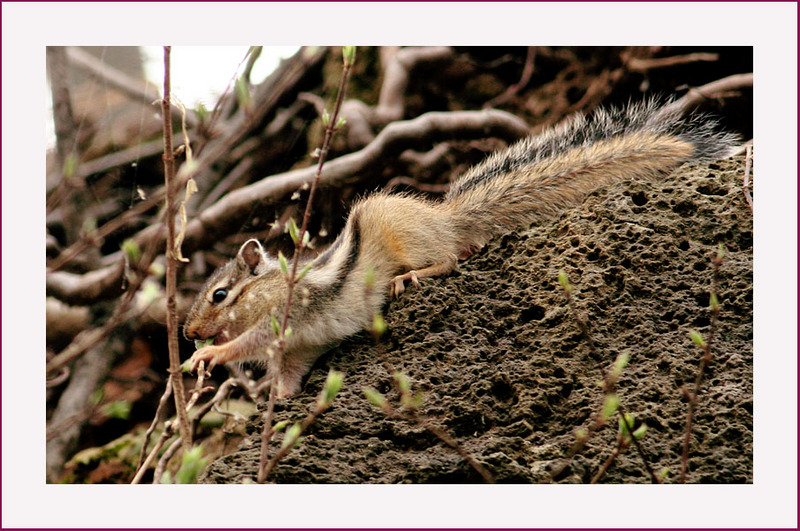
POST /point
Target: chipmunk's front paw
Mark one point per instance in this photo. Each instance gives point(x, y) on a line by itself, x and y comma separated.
point(211, 354)
point(397, 287)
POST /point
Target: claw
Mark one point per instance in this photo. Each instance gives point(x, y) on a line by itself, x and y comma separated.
point(397, 286)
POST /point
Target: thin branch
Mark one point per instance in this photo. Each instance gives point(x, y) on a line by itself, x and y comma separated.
point(705, 361)
point(172, 262)
point(527, 72)
point(609, 385)
point(264, 467)
point(695, 96)
point(163, 401)
point(637, 64)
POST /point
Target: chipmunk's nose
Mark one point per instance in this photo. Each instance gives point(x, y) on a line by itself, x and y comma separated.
point(190, 333)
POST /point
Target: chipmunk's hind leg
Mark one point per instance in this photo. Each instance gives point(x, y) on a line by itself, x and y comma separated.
point(397, 286)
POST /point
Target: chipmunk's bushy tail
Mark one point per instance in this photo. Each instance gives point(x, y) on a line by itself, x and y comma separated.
point(541, 175)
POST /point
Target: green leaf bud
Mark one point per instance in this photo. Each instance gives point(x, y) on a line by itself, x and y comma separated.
point(697, 338)
point(292, 435)
point(610, 406)
point(349, 55)
point(564, 281)
point(332, 385)
point(284, 264)
point(375, 397)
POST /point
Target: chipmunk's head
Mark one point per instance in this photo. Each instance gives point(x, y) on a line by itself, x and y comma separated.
point(237, 296)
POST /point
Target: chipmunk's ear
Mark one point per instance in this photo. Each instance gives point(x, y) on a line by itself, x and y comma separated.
point(250, 256)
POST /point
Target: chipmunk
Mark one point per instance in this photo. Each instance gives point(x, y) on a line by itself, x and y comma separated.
point(399, 238)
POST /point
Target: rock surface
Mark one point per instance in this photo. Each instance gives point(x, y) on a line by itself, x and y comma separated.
point(506, 372)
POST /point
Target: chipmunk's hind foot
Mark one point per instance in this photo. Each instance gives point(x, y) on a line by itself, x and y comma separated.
point(397, 286)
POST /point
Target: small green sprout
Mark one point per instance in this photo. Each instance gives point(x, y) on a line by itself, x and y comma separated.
point(332, 386)
point(280, 426)
point(564, 281)
point(118, 409)
point(275, 326)
point(378, 325)
point(610, 406)
point(292, 436)
point(284, 264)
point(375, 397)
point(403, 382)
point(200, 343)
point(131, 250)
point(193, 463)
point(697, 338)
point(713, 302)
point(349, 55)
point(303, 272)
point(294, 230)
point(369, 277)
point(70, 166)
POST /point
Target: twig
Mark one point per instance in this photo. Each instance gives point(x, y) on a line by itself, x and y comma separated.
point(165, 435)
point(71, 185)
point(158, 473)
point(101, 232)
point(698, 95)
point(705, 361)
point(159, 410)
point(608, 462)
point(300, 244)
point(637, 64)
point(172, 262)
point(452, 443)
point(288, 444)
point(527, 71)
point(609, 384)
point(748, 157)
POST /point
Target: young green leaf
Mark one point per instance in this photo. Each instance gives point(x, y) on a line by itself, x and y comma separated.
point(303, 272)
point(275, 326)
point(292, 435)
point(619, 365)
point(639, 432)
point(375, 397)
point(193, 463)
point(332, 385)
point(610, 406)
point(564, 281)
point(284, 264)
point(131, 250)
point(378, 325)
point(294, 230)
point(403, 383)
point(280, 426)
point(624, 423)
point(349, 55)
point(713, 302)
point(697, 338)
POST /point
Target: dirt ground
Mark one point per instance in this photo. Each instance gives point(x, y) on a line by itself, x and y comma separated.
point(505, 370)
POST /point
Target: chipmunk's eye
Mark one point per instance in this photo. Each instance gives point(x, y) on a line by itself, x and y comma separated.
point(219, 295)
